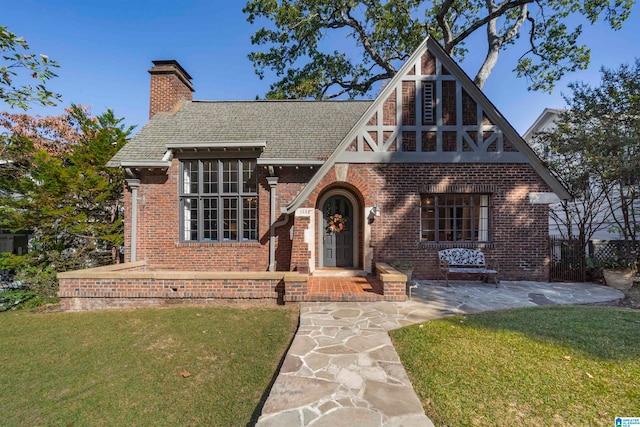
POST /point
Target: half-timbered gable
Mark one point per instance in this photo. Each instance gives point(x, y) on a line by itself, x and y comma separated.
point(431, 112)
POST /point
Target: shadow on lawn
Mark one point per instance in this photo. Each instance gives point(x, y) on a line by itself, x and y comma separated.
point(600, 332)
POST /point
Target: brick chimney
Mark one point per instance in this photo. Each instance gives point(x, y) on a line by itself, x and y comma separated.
point(170, 84)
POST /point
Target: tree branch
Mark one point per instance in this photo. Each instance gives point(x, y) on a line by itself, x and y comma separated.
point(347, 87)
point(524, 14)
point(366, 43)
point(444, 25)
point(502, 9)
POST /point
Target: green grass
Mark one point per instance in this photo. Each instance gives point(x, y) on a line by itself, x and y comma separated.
point(179, 366)
point(552, 366)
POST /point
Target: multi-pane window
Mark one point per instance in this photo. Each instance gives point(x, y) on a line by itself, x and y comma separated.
point(455, 218)
point(218, 200)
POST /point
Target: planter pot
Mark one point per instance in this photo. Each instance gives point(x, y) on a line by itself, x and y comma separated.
point(619, 279)
point(407, 273)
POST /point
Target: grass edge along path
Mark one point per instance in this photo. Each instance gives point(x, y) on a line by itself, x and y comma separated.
point(173, 366)
point(562, 365)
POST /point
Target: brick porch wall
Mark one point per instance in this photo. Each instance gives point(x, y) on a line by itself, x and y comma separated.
point(300, 252)
point(133, 285)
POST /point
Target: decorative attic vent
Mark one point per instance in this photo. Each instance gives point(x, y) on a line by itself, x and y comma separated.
point(427, 109)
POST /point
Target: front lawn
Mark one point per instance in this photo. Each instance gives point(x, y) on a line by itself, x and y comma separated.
point(560, 366)
point(178, 366)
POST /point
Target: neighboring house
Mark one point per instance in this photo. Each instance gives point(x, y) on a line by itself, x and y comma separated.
point(232, 191)
point(546, 122)
point(14, 243)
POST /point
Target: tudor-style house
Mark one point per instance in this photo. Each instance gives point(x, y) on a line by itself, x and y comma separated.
point(236, 188)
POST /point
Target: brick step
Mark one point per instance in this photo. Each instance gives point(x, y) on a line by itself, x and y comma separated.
point(338, 272)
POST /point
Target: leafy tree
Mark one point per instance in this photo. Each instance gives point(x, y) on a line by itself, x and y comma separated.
point(387, 31)
point(17, 62)
point(600, 135)
point(579, 218)
point(54, 183)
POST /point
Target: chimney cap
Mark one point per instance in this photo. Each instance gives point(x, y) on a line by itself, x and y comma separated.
point(170, 62)
point(171, 66)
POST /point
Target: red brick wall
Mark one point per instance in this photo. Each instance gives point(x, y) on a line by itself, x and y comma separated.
point(300, 253)
point(158, 240)
point(127, 224)
point(158, 234)
point(291, 182)
point(519, 229)
point(168, 288)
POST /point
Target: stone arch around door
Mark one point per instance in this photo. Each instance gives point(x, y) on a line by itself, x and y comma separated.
point(339, 249)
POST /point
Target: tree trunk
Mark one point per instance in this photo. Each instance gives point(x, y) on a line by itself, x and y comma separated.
point(492, 55)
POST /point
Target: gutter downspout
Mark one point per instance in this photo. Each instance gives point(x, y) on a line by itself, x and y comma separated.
point(134, 184)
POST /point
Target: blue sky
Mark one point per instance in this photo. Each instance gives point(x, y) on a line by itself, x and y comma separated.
point(106, 48)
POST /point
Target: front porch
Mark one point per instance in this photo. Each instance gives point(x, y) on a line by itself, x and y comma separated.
point(133, 285)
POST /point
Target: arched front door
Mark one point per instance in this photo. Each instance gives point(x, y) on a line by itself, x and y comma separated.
point(338, 222)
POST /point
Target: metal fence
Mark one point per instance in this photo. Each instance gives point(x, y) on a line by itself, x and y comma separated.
point(569, 263)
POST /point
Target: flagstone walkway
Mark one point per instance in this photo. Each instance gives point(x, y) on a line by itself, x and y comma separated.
point(342, 369)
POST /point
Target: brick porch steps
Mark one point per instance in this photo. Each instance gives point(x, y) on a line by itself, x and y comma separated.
point(345, 289)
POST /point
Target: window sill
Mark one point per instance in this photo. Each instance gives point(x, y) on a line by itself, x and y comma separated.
point(447, 245)
point(224, 243)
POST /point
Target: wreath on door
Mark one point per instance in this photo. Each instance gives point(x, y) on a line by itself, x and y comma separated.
point(337, 223)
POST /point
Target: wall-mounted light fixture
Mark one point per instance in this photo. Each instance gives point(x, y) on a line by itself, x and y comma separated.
point(375, 210)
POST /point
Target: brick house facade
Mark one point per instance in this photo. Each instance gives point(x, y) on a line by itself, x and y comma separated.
point(254, 186)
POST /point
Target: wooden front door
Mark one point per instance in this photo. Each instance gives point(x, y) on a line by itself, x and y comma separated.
point(338, 232)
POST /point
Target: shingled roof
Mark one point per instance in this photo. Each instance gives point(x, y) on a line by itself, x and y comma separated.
point(292, 129)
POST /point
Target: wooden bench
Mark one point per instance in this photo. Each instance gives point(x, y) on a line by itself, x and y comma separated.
point(470, 261)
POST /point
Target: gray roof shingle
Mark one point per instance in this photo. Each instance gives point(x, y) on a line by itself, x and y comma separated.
point(292, 129)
